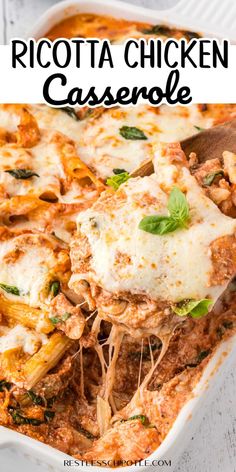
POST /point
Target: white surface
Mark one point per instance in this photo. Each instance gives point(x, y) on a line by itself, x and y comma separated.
point(213, 446)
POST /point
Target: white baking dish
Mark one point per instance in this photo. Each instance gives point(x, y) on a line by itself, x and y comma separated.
point(214, 18)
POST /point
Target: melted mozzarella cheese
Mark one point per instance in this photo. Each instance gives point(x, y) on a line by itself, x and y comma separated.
point(174, 266)
point(103, 148)
point(45, 160)
point(28, 263)
point(98, 140)
point(21, 337)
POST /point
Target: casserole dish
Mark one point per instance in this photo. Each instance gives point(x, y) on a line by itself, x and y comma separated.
point(212, 19)
point(170, 449)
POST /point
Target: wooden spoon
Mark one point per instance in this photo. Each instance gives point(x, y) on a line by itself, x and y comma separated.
point(207, 144)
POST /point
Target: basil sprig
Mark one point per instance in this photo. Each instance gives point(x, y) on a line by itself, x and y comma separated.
point(22, 174)
point(179, 215)
point(194, 308)
point(10, 289)
point(132, 133)
point(209, 178)
point(116, 180)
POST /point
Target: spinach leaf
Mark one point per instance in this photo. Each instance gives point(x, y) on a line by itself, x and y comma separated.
point(36, 399)
point(19, 419)
point(71, 112)
point(86, 433)
point(4, 385)
point(157, 29)
point(191, 35)
point(202, 355)
point(10, 289)
point(65, 316)
point(49, 415)
point(198, 128)
point(118, 171)
point(55, 288)
point(55, 320)
point(22, 174)
point(209, 178)
point(144, 420)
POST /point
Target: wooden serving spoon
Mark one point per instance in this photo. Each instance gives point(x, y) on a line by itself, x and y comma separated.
point(207, 144)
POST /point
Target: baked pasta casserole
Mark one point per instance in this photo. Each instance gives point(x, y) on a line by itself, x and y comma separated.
point(115, 291)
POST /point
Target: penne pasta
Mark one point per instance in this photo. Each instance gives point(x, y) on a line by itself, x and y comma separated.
point(45, 359)
point(77, 168)
point(27, 316)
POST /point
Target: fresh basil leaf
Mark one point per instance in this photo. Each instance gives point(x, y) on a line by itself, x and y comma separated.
point(65, 316)
point(10, 289)
point(4, 385)
point(70, 111)
point(36, 399)
point(209, 178)
point(116, 180)
point(194, 308)
point(19, 419)
point(178, 206)
point(201, 309)
point(118, 171)
point(22, 174)
point(54, 320)
point(132, 133)
point(179, 215)
point(157, 29)
point(49, 415)
point(158, 224)
point(198, 128)
point(55, 287)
